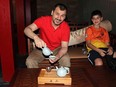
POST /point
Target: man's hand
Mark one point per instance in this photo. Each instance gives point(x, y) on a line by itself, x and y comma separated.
point(29, 31)
point(39, 42)
point(53, 59)
point(62, 51)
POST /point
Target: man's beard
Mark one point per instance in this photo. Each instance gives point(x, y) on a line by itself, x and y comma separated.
point(59, 22)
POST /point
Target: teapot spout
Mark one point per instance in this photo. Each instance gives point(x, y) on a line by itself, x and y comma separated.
point(51, 52)
point(56, 68)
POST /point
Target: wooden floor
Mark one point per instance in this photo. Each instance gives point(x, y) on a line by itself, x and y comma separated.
point(82, 73)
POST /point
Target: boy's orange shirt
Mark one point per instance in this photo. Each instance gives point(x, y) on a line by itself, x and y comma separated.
point(97, 37)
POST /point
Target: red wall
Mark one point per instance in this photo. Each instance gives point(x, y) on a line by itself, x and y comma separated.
point(6, 48)
point(20, 21)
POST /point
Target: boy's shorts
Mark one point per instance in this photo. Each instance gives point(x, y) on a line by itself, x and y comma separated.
point(92, 55)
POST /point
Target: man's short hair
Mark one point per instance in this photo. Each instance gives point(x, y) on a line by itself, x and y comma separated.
point(61, 6)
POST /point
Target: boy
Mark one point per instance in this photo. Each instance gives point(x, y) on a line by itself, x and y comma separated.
point(97, 40)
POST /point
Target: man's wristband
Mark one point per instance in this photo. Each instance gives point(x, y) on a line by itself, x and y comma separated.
point(57, 57)
point(35, 36)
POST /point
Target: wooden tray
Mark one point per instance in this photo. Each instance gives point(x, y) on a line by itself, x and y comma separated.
point(51, 77)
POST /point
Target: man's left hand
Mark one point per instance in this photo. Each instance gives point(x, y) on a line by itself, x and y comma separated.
point(53, 59)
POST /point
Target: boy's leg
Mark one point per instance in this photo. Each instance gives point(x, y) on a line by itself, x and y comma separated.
point(34, 58)
point(98, 62)
point(95, 58)
point(111, 61)
point(114, 56)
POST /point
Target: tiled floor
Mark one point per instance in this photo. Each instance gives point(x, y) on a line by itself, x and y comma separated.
point(2, 84)
point(19, 61)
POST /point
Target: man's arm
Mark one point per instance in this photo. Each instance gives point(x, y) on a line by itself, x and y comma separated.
point(29, 32)
point(62, 51)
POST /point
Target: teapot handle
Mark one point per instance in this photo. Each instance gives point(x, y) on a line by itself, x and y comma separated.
point(56, 67)
point(67, 68)
point(43, 47)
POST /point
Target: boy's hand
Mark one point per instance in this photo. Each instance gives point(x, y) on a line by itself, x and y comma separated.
point(110, 51)
point(102, 52)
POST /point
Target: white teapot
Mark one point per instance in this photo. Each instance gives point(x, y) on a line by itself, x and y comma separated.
point(46, 51)
point(62, 71)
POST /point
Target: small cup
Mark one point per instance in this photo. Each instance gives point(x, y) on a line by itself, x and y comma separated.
point(52, 57)
point(48, 69)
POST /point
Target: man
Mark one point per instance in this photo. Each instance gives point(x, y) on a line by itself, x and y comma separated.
point(54, 33)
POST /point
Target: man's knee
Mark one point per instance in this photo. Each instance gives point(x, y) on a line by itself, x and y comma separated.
point(30, 63)
point(65, 62)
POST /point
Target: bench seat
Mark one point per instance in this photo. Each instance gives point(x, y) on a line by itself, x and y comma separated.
point(76, 52)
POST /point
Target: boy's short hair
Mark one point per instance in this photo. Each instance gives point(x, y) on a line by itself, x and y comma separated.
point(96, 12)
